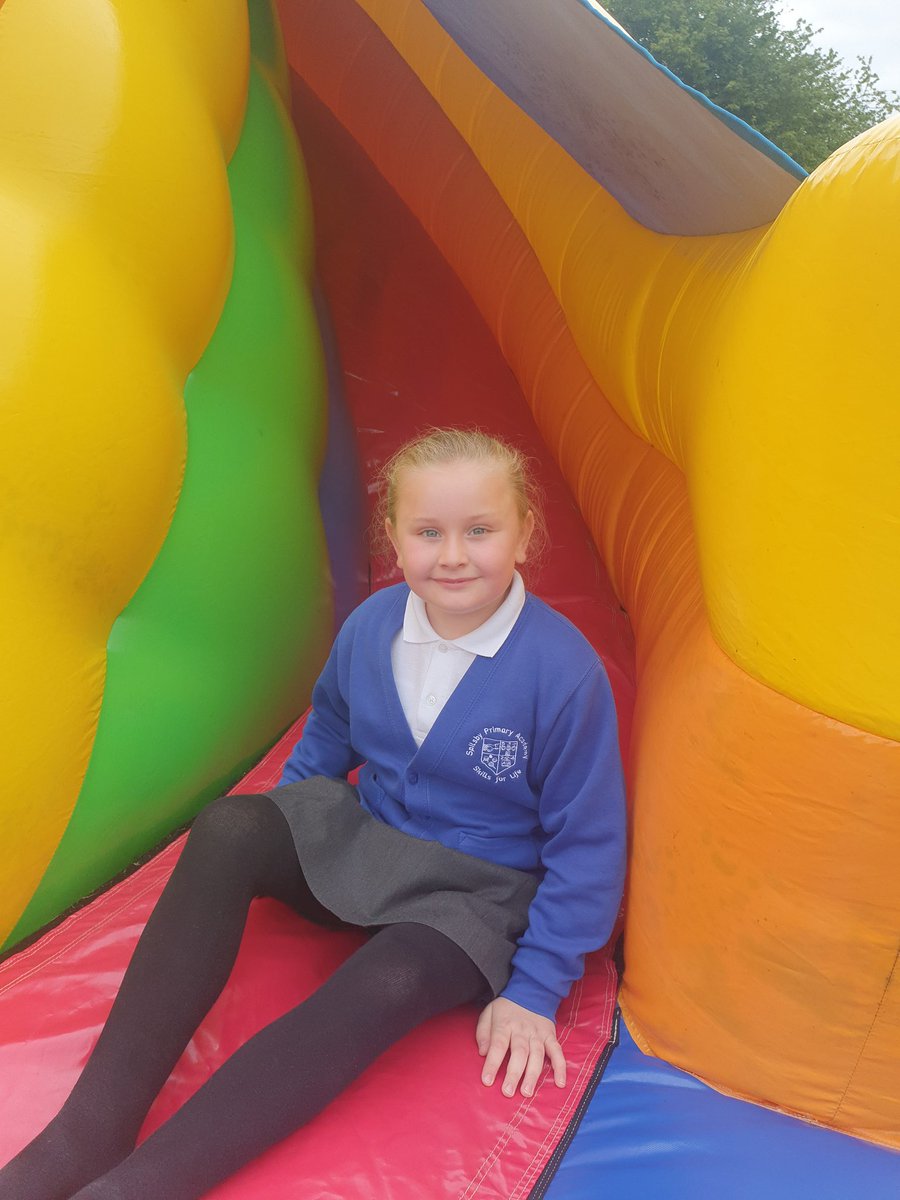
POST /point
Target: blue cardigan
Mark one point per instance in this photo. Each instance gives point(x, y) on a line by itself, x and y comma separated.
point(521, 767)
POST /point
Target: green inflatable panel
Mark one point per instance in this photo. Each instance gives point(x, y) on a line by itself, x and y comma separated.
point(219, 647)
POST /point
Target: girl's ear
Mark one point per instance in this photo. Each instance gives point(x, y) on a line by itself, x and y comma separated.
point(525, 537)
point(389, 530)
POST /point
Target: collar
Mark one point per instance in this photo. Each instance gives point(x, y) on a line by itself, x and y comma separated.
point(486, 640)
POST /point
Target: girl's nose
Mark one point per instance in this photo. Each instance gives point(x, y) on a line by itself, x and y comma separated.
point(453, 551)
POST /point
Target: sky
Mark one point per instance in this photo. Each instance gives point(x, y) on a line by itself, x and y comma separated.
point(852, 27)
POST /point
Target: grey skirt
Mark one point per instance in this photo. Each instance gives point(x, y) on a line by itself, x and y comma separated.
point(367, 873)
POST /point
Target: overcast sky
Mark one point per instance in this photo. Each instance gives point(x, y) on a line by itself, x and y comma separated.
point(852, 27)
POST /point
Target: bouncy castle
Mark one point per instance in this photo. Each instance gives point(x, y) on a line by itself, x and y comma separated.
point(245, 255)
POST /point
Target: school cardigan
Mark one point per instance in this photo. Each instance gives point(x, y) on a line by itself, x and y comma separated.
point(521, 768)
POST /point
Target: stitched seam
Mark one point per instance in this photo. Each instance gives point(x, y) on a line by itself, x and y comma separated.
point(573, 1103)
point(539, 1159)
point(492, 1155)
point(554, 1159)
point(569, 1105)
point(862, 1048)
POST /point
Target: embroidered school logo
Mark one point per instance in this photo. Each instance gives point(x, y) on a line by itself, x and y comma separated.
point(501, 753)
point(499, 756)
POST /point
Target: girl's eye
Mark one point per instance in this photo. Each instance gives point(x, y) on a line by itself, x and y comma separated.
point(429, 533)
point(479, 530)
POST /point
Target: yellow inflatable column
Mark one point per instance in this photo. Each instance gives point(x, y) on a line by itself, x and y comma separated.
point(794, 446)
point(116, 247)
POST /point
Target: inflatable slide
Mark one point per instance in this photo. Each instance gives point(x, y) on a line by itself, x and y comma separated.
point(245, 255)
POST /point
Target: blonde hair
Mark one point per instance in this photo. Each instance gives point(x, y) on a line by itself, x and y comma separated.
point(437, 446)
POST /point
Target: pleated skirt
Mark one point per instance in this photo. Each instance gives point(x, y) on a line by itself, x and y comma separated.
point(369, 874)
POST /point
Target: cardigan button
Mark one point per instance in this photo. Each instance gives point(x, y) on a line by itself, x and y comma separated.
point(413, 777)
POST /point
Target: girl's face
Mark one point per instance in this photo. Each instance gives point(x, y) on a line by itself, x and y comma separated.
point(458, 537)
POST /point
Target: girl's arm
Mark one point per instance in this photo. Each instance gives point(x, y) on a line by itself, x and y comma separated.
point(575, 907)
point(582, 811)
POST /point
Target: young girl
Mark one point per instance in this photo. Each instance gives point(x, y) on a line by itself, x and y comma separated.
point(483, 847)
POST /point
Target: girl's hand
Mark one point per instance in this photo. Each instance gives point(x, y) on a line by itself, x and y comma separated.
point(506, 1026)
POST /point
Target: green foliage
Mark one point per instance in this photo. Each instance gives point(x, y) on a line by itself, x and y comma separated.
point(803, 99)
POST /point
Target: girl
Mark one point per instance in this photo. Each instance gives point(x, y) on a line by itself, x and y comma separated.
point(484, 847)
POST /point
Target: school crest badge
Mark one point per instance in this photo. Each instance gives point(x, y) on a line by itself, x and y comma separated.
point(498, 755)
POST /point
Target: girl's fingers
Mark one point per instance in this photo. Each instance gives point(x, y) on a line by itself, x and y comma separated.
point(519, 1048)
point(557, 1061)
point(535, 1064)
point(496, 1055)
point(483, 1032)
point(529, 1046)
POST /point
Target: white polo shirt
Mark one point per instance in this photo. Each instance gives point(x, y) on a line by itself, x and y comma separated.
point(427, 667)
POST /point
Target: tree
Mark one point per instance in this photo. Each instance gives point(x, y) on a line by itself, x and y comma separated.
point(803, 99)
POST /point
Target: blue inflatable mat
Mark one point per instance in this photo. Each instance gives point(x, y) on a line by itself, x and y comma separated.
point(652, 1132)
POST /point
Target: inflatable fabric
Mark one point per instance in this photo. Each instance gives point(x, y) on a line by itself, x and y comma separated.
point(705, 343)
point(410, 341)
point(652, 1131)
point(695, 391)
point(162, 408)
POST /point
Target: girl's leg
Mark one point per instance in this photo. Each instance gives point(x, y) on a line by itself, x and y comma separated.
point(239, 847)
point(290, 1070)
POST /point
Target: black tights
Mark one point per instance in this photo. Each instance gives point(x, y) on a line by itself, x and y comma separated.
point(240, 847)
